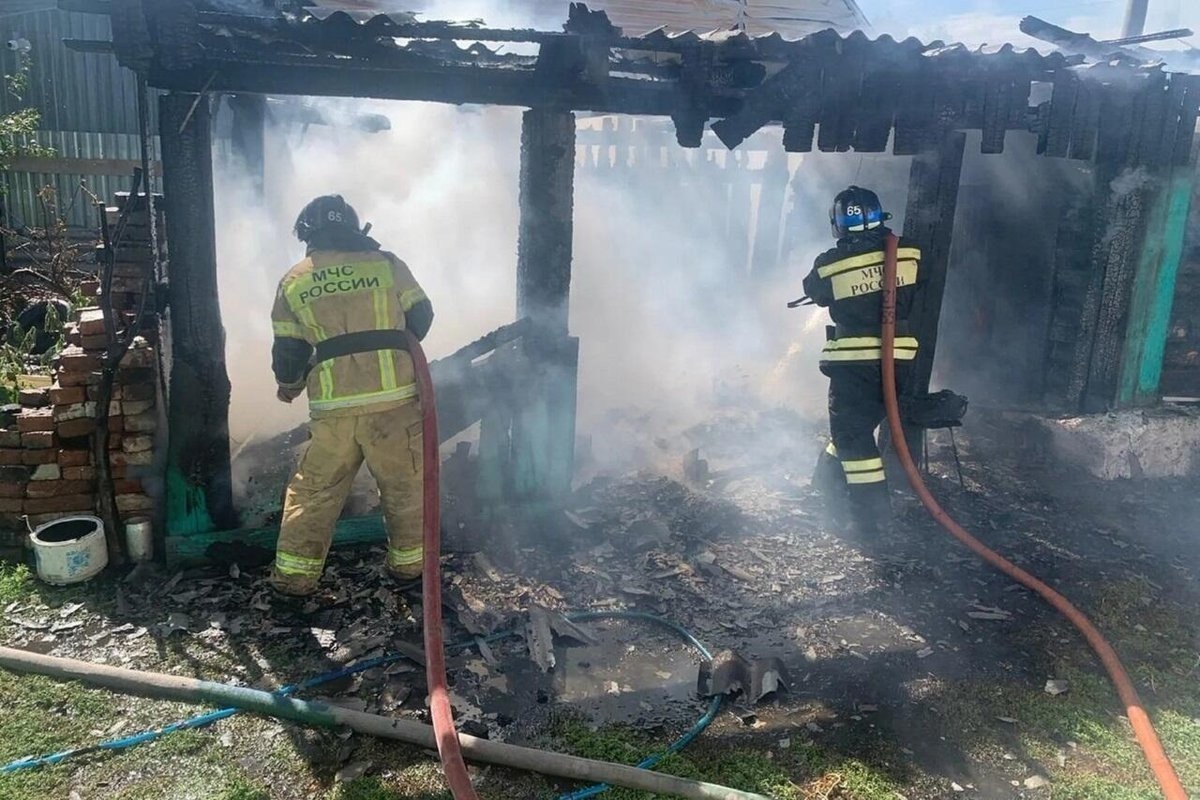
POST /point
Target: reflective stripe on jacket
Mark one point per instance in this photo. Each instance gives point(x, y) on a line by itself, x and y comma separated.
point(331, 293)
point(848, 280)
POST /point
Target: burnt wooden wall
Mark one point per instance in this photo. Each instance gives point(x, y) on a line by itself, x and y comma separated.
point(741, 192)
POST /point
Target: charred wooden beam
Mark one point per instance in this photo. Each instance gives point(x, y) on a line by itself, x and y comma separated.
point(199, 487)
point(929, 221)
point(546, 201)
point(449, 84)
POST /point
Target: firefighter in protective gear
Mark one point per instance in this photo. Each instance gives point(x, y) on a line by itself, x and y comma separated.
point(339, 320)
point(848, 280)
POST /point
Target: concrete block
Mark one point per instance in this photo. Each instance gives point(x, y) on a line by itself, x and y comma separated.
point(74, 411)
point(1158, 443)
point(38, 440)
point(91, 321)
point(47, 472)
point(138, 444)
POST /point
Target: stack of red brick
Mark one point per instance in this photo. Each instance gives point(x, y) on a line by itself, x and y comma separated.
point(46, 465)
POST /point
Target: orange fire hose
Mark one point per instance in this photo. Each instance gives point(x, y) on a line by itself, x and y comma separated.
point(435, 652)
point(1143, 729)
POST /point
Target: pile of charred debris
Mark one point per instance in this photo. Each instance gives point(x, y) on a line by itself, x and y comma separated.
point(818, 633)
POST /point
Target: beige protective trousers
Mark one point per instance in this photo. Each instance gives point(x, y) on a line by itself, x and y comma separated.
point(390, 442)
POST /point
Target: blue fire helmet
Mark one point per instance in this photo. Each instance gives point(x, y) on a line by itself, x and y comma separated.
point(856, 210)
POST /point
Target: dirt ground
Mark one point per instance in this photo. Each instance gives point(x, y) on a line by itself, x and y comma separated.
point(910, 669)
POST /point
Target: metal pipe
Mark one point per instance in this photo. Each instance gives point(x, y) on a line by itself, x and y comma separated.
point(192, 690)
point(1135, 18)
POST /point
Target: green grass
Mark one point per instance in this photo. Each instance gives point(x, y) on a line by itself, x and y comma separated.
point(749, 765)
point(241, 789)
point(15, 582)
point(1103, 760)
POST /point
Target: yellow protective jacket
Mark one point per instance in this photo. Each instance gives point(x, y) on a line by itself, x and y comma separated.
point(336, 292)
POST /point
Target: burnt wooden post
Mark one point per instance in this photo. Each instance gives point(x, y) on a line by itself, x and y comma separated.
point(543, 434)
point(249, 136)
point(1124, 200)
point(199, 486)
point(547, 180)
point(929, 221)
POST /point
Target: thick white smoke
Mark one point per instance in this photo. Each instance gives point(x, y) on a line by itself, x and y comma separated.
point(670, 322)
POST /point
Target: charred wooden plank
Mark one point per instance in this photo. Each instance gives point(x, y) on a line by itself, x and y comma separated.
point(1116, 126)
point(1085, 122)
point(1116, 250)
point(1150, 108)
point(995, 114)
point(1056, 139)
point(915, 115)
point(876, 108)
point(1187, 120)
point(841, 96)
point(1173, 115)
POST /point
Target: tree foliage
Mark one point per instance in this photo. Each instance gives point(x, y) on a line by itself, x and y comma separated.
point(17, 128)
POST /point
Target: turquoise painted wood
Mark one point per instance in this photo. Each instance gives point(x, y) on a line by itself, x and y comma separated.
point(1154, 292)
point(355, 530)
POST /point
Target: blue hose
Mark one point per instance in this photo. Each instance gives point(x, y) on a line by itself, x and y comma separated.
point(201, 720)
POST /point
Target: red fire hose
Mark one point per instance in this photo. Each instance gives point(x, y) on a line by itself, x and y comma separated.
point(1143, 729)
point(435, 651)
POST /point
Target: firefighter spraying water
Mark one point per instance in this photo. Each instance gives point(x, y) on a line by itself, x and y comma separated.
point(848, 280)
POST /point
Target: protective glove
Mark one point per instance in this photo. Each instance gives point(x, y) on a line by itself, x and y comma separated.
point(289, 393)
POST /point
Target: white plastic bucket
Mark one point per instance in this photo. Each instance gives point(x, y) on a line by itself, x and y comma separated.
point(70, 550)
point(139, 539)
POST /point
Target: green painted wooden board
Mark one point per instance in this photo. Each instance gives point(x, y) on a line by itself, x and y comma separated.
point(1154, 293)
point(195, 546)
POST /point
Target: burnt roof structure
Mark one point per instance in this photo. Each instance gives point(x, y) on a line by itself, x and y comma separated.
point(860, 93)
point(1110, 272)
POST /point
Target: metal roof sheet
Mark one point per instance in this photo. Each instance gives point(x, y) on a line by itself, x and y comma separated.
point(792, 18)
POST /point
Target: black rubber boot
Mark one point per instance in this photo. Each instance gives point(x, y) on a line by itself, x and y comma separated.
point(871, 508)
point(830, 481)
